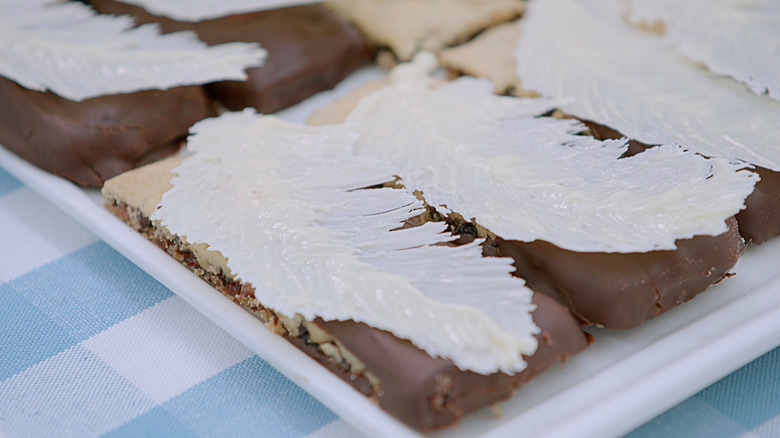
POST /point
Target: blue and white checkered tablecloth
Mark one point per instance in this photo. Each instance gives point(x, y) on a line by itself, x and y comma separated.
point(91, 345)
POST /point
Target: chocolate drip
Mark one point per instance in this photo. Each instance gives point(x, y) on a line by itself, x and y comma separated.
point(310, 49)
point(93, 140)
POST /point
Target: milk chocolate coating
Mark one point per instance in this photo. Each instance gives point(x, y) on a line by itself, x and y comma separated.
point(621, 290)
point(428, 393)
point(602, 132)
point(310, 49)
point(758, 222)
point(93, 140)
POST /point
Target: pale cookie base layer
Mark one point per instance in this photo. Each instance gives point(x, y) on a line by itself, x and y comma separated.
point(489, 55)
point(407, 26)
point(337, 111)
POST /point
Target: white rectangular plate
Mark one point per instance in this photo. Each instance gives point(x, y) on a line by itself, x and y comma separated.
point(623, 380)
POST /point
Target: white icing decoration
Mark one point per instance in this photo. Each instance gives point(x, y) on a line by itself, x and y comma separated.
point(526, 178)
point(738, 38)
point(198, 10)
point(631, 80)
point(281, 203)
point(68, 49)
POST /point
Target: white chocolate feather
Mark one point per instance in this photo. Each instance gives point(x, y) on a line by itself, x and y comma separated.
point(525, 178)
point(198, 10)
point(283, 204)
point(68, 49)
point(737, 38)
point(631, 80)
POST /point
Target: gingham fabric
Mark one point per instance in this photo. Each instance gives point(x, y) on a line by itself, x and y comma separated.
point(90, 345)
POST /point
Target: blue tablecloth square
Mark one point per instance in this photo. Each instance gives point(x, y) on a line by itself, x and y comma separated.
point(691, 418)
point(249, 399)
point(71, 394)
point(27, 335)
point(770, 429)
point(7, 182)
point(158, 422)
point(750, 397)
point(91, 289)
point(746, 401)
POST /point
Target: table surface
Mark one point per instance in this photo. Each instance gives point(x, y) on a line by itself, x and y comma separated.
point(91, 345)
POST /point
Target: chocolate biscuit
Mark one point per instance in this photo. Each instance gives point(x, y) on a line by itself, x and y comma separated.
point(428, 393)
point(424, 392)
point(758, 222)
point(310, 49)
point(619, 290)
point(615, 290)
point(487, 55)
point(90, 141)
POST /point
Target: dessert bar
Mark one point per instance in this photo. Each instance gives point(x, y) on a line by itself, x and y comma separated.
point(638, 82)
point(614, 287)
point(310, 49)
point(422, 390)
point(87, 97)
point(90, 141)
point(487, 55)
